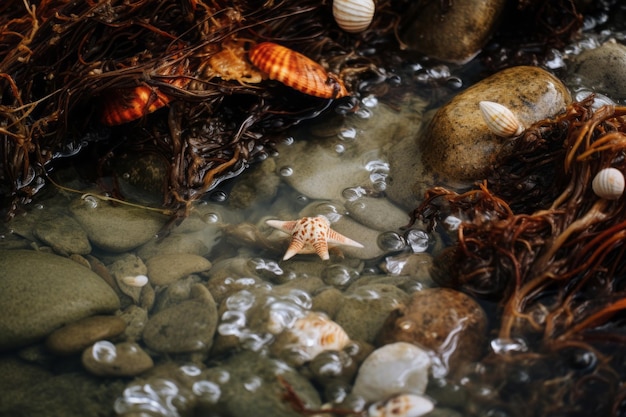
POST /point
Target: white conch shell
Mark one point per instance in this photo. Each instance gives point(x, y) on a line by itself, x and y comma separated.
point(608, 184)
point(404, 405)
point(500, 120)
point(353, 16)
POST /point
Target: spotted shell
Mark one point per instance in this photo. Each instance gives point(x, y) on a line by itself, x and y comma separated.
point(500, 120)
point(128, 105)
point(296, 71)
point(309, 336)
point(608, 184)
point(404, 405)
point(353, 16)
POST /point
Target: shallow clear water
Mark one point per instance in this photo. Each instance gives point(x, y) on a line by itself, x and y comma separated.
point(258, 294)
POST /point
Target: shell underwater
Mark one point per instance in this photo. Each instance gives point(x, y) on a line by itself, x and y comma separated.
point(199, 90)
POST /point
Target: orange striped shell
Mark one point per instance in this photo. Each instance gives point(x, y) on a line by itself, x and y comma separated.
point(128, 105)
point(296, 71)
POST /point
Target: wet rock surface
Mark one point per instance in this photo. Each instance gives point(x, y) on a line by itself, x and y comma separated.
point(115, 229)
point(43, 292)
point(453, 33)
point(456, 147)
point(166, 269)
point(79, 335)
point(602, 69)
point(448, 322)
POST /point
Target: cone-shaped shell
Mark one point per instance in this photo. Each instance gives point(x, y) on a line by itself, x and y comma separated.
point(608, 184)
point(128, 105)
point(500, 120)
point(296, 71)
point(353, 16)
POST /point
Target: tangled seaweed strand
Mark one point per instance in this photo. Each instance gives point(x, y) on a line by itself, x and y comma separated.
point(61, 60)
point(554, 254)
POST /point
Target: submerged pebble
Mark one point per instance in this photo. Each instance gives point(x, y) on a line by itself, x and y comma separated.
point(166, 269)
point(116, 228)
point(79, 335)
point(122, 359)
point(449, 322)
point(63, 234)
point(185, 327)
point(41, 292)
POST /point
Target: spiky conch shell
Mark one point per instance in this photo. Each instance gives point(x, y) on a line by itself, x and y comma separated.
point(608, 183)
point(500, 120)
point(353, 16)
point(296, 71)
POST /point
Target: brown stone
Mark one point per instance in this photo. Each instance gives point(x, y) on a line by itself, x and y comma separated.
point(79, 335)
point(458, 146)
point(449, 322)
point(456, 34)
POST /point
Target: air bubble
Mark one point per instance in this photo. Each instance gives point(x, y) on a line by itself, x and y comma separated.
point(348, 133)
point(211, 218)
point(286, 171)
point(418, 240)
point(370, 101)
point(253, 383)
point(391, 241)
point(240, 301)
point(452, 223)
point(339, 148)
point(219, 196)
point(104, 351)
point(339, 276)
point(363, 113)
point(207, 391)
point(90, 201)
point(353, 193)
point(504, 346)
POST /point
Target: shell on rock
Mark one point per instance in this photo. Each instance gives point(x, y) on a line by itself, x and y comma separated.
point(500, 120)
point(353, 16)
point(296, 71)
point(608, 184)
point(310, 336)
point(404, 405)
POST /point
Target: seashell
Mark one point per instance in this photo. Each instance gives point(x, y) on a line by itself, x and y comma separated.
point(404, 405)
point(608, 184)
point(396, 368)
point(310, 336)
point(135, 280)
point(128, 105)
point(296, 71)
point(500, 120)
point(353, 16)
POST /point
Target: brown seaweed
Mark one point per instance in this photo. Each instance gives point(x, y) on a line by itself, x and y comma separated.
point(552, 256)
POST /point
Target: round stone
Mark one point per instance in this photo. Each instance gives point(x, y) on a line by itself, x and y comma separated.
point(45, 291)
point(185, 327)
point(449, 322)
point(166, 269)
point(76, 337)
point(123, 359)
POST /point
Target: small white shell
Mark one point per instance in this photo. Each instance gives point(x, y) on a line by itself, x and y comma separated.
point(393, 369)
point(404, 405)
point(500, 120)
point(608, 184)
point(353, 16)
point(135, 280)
